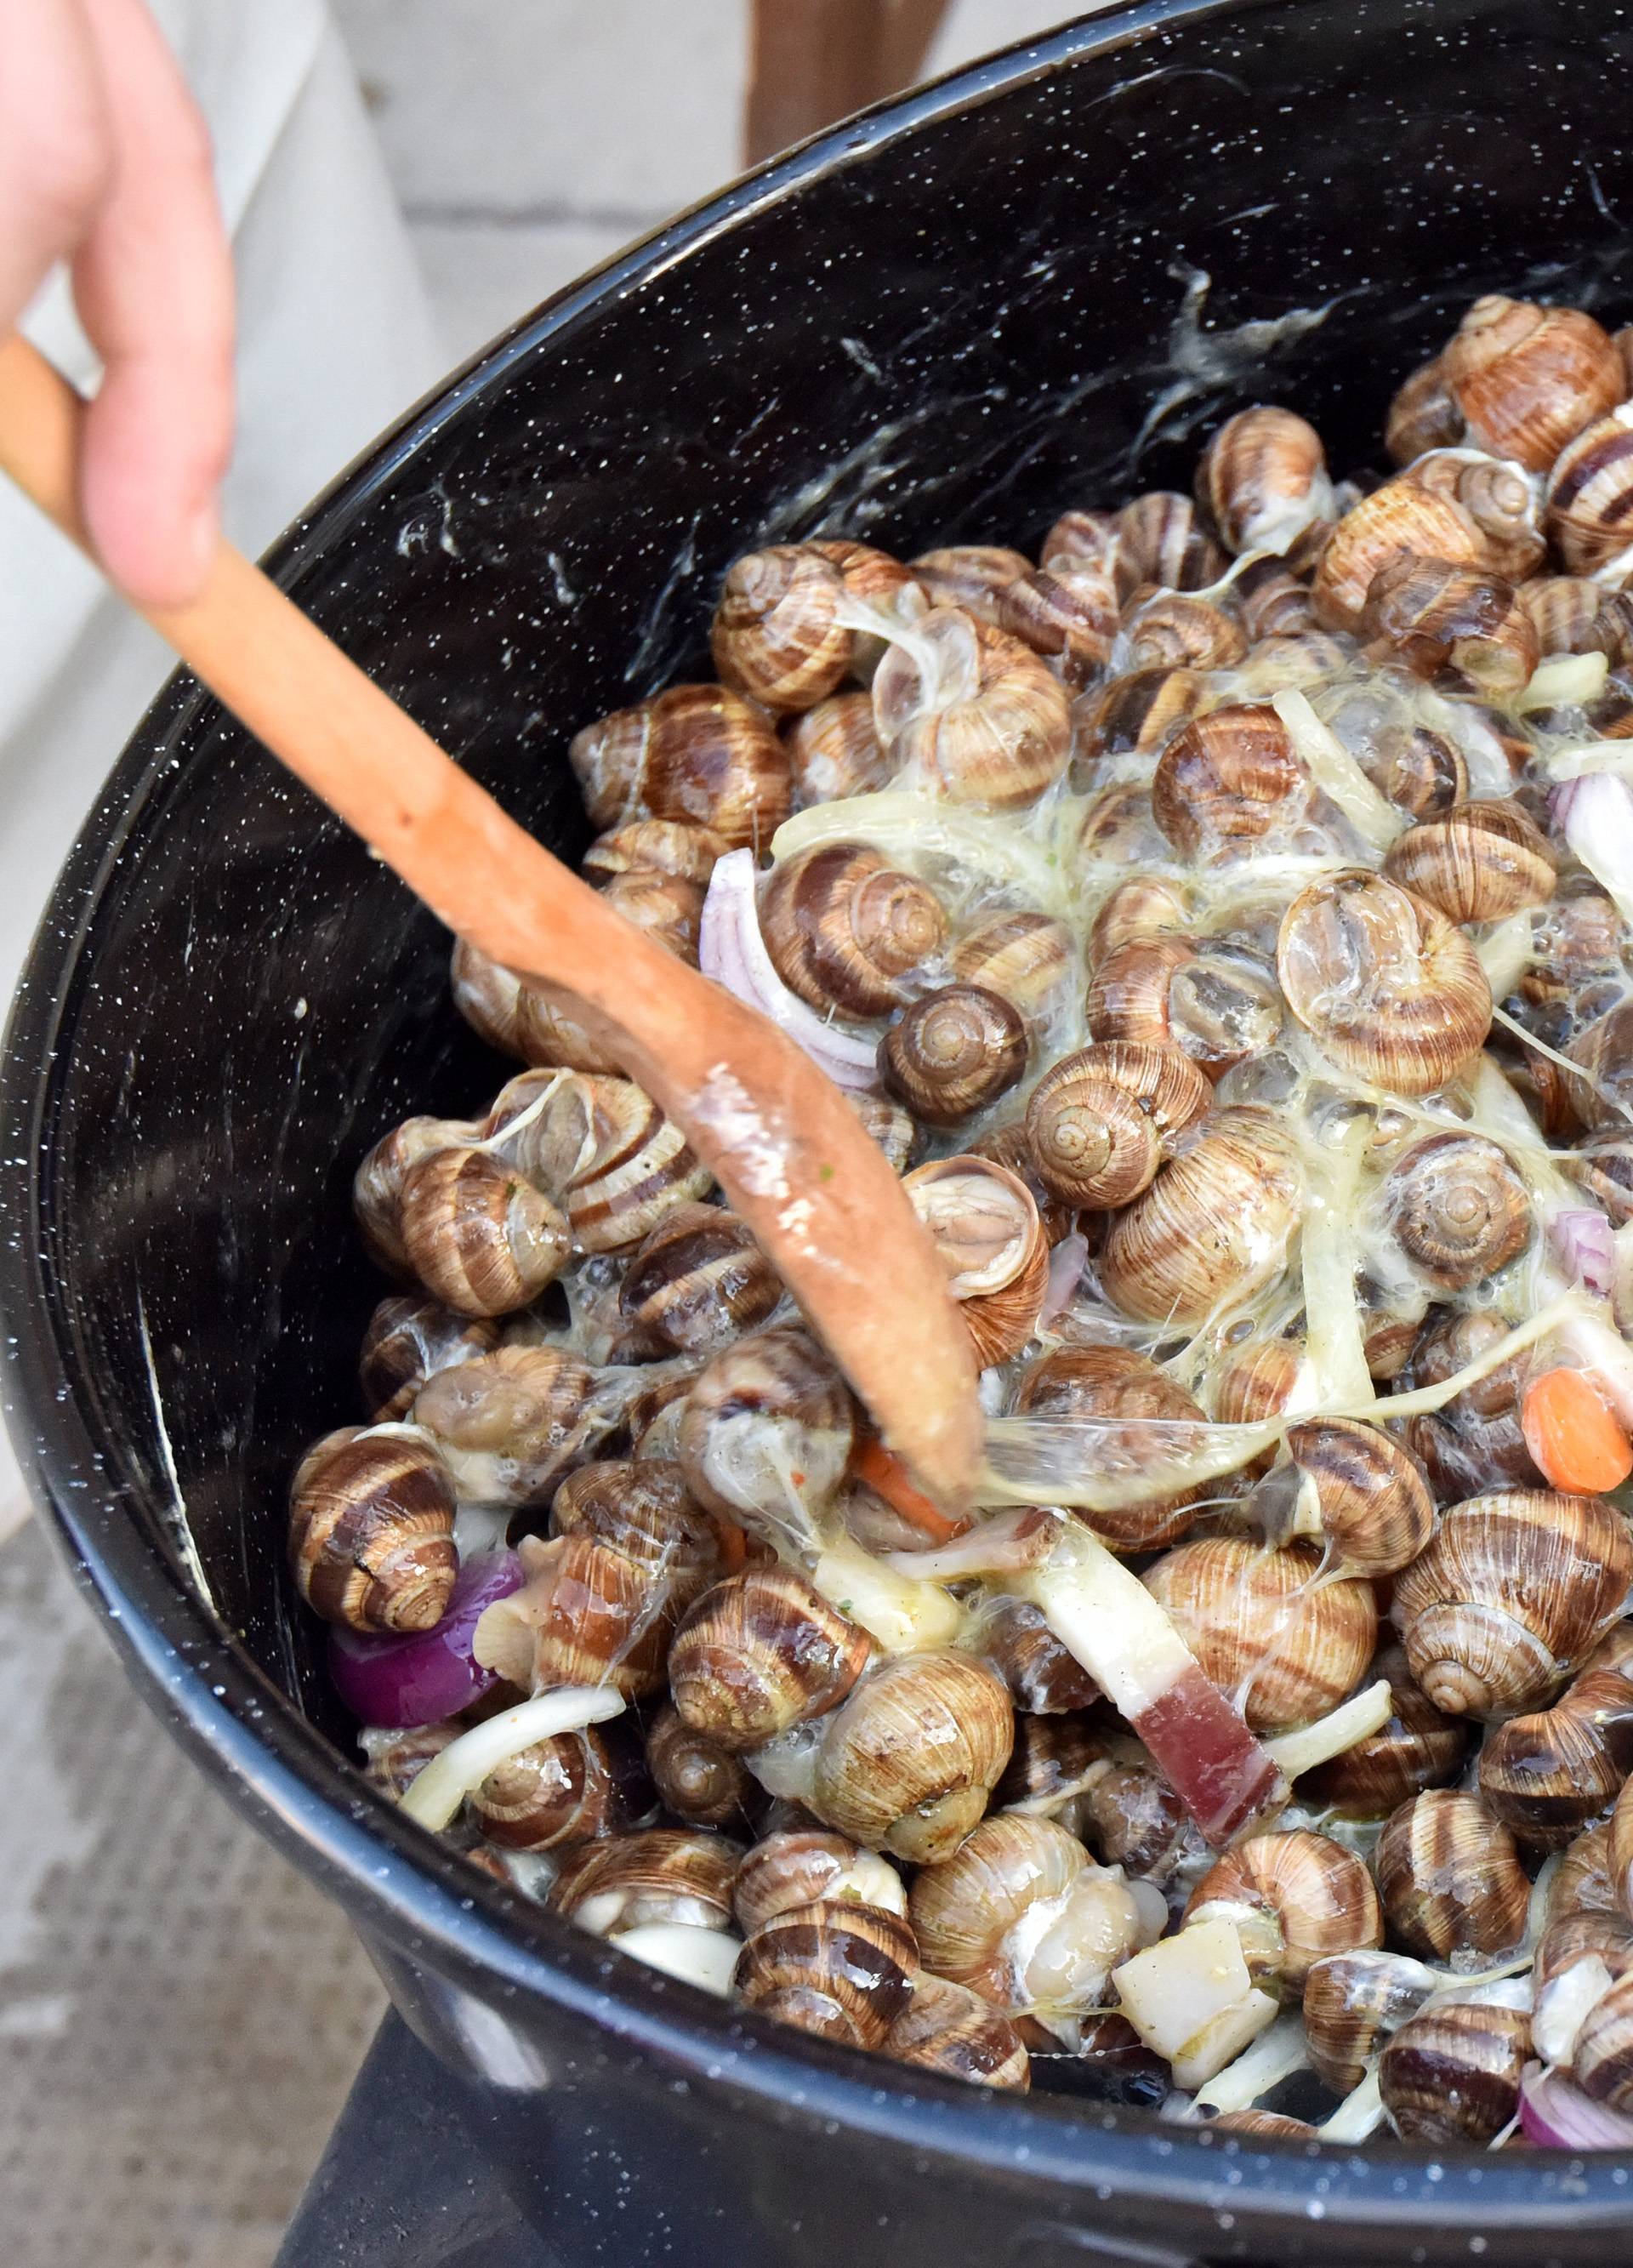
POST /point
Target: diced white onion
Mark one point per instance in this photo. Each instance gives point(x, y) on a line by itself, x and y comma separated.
point(704, 1957)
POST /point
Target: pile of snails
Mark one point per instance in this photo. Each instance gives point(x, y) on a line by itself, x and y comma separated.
point(1223, 922)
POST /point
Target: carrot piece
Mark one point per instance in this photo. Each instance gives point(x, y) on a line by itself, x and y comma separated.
point(888, 1477)
point(734, 1543)
point(1576, 1439)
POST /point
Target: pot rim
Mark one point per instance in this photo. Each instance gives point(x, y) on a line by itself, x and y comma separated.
point(289, 1780)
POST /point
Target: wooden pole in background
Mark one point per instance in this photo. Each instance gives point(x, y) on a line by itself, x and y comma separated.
point(814, 61)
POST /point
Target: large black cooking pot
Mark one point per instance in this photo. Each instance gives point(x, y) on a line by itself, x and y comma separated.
point(1031, 286)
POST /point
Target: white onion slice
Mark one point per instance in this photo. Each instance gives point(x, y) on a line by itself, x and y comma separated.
point(704, 1957)
point(1336, 773)
point(731, 950)
point(435, 1794)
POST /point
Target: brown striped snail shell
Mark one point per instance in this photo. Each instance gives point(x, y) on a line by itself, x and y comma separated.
point(1068, 613)
point(878, 581)
point(834, 751)
point(1145, 905)
point(1171, 630)
point(1043, 1678)
point(897, 1132)
point(1452, 2073)
point(586, 1615)
point(950, 2030)
point(698, 752)
point(1416, 1748)
point(954, 1051)
point(1481, 862)
point(1433, 614)
point(1084, 539)
point(1257, 1380)
point(1106, 1383)
point(1602, 2065)
point(1134, 1819)
point(1577, 936)
point(907, 1761)
point(782, 633)
point(1605, 1051)
point(697, 1281)
point(669, 908)
point(1213, 1226)
point(974, 711)
point(396, 1756)
point(377, 1186)
point(767, 1431)
point(561, 1789)
point(656, 846)
point(1450, 1877)
point(550, 1036)
point(1569, 614)
point(1474, 1442)
point(1138, 712)
point(1583, 1883)
point(1352, 2001)
point(1161, 540)
point(799, 1866)
point(1100, 1121)
point(1384, 983)
point(1313, 1897)
point(1422, 415)
point(1227, 780)
point(1402, 516)
point(696, 1778)
point(1545, 1776)
point(1264, 2122)
point(1527, 379)
point(645, 1512)
point(1367, 1496)
point(606, 1154)
point(1271, 601)
point(845, 929)
point(1025, 958)
point(1619, 1854)
point(971, 576)
point(1421, 773)
point(760, 1652)
point(1502, 502)
point(984, 1223)
point(1118, 829)
point(406, 1340)
point(1263, 478)
point(1513, 1593)
point(844, 1972)
point(1287, 1650)
point(1588, 491)
point(659, 1874)
point(370, 1536)
point(486, 994)
point(511, 1422)
point(1457, 1208)
point(1603, 1166)
point(478, 1237)
point(1054, 1760)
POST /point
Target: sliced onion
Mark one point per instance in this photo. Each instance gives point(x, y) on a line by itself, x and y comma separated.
point(1586, 1244)
point(1067, 1262)
point(731, 950)
point(1596, 813)
point(425, 1676)
point(1557, 2116)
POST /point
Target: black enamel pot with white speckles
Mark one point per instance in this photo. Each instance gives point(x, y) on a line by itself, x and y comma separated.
point(1030, 286)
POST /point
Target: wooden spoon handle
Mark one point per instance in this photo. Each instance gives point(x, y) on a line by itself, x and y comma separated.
point(786, 1147)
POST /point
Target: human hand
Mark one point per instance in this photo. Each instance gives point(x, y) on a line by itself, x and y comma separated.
point(104, 162)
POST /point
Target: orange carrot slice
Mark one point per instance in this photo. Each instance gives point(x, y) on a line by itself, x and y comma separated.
point(1576, 1439)
point(734, 1543)
point(888, 1477)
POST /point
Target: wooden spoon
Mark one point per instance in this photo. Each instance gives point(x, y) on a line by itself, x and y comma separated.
point(785, 1146)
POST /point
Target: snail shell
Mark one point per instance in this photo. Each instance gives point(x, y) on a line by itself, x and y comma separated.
point(953, 1052)
point(1067, 613)
point(1588, 492)
point(1108, 1383)
point(844, 1972)
point(1352, 2001)
point(1083, 539)
point(1286, 1649)
point(1422, 415)
point(377, 1186)
point(511, 1422)
point(1218, 1002)
point(1100, 1122)
point(1054, 1760)
point(644, 1512)
point(697, 752)
point(1402, 516)
point(1619, 1854)
point(1457, 1208)
point(479, 1238)
point(1474, 1442)
point(605, 1151)
point(661, 1874)
point(654, 846)
point(1263, 478)
point(1417, 1749)
point(1025, 958)
point(1526, 378)
point(760, 1652)
point(1265, 2122)
point(834, 751)
point(1481, 862)
point(974, 711)
point(1367, 1496)
point(1137, 1822)
point(908, 1762)
point(1130, 995)
point(896, 1130)
point(972, 576)
point(878, 581)
point(1450, 1877)
point(1605, 1051)
point(1213, 1226)
point(1139, 711)
point(1383, 982)
point(668, 906)
point(1424, 773)
point(1161, 540)
point(950, 2030)
point(768, 1431)
point(983, 1222)
point(780, 632)
point(1143, 907)
point(1569, 616)
point(1317, 1897)
point(1271, 601)
point(1043, 1678)
point(697, 1281)
point(1579, 936)
point(1582, 1884)
point(844, 928)
point(406, 1340)
point(1546, 1775)
point(1602, 2065)
point(370, 1537)
point(587, 1614)
point(798, 1866)
point(696, 1778)
point(1168, 630)
point(1258, 1379)
point(1228, 779)
point(1452, 2073)
point(1117, 829)
point(561, 1789)
point(485, 993)
point(1437, 614)
point(1513, 1593)
point(397, 1757)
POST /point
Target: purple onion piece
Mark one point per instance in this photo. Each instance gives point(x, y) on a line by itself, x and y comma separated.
point(1556, 2115)
point(1585, 1242)
point(425, 1675)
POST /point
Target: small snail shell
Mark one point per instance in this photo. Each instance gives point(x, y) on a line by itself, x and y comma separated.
point(668, 906)
point(1162, 540)
point(780, 632)
point(1450, 1877)
point(1588, 493)
point(1054, 1760)
point(767, 1429)
point(511, 1423)
point(1434, 614)
point(549, 1035)
point(1025, 958)
point(1352, 2001)
point(1117, 829)
point(1086, 539)
point(1481, 862)
point(1286, 1649)
point(486, 994)
point(1317, 1897)
point(1212, 1227)
point(1263, 478)
point(844, 928)
point(698, 752)
point(1168, 630)
point(1384, 984)
point(1367, 1495)
point(1513, 1593)
point(1142, 907)
point(1402, 516)
point(561, 1789)
point(1417, 1749)
point(1579, 936)
point(835, 752)
point(983, 1222)
point(1228, 779)
point(1271, 601)
point(1138, 713)
point(644, 1512)
point(397, 1758)
point(1100, 1121)
point(1583, 1883)
point(1546, 1775)
point(950, 2030)
point(1452, 2073)
point(896, 1130)
point(759, 1652)
point(1068, 614)
point(954, 1051)
point(1569, 616)
point(798, 1866)
point(406, 1340)
point(661, 1874)
point(696, 1778)
point(1218, 1002)
point(1106, 1383)
point(1137, 1822)
point(844, 1972)
point(1265, 2122)
point(377, 1186)
point(1457, 1208)
point(908, 1762)
point(480, 1240)
point(1129, 994)
point(1258, 1379)
point(1043, 1678)
point(972, 576)
point(1422, 415)
point(1475, 1441)
point(1605, 1051)
point(655, 846)
point(370, 1537)
point(1421, 773)
point(606, 1154)
point(1527, 379)
point(587, 1614)
point(695, 1283)
point(976, 713)
point(1602, 2065)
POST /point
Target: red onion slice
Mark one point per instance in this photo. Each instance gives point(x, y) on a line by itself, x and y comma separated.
point(426, 1675)
point(1585, 1242)
point(1557, 2116)
point(731, 950)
